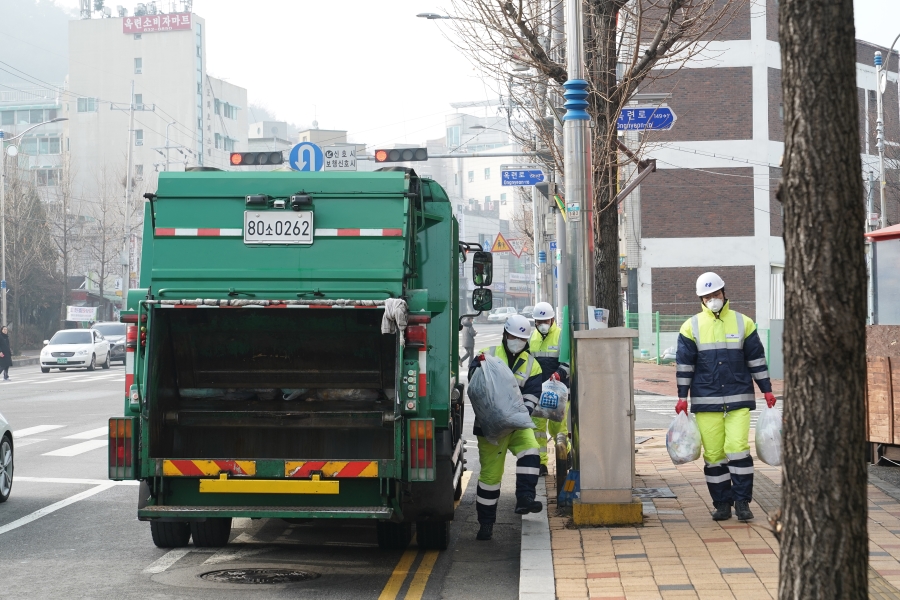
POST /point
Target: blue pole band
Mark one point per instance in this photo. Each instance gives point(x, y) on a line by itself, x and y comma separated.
point(878, 60)
point(576, 100)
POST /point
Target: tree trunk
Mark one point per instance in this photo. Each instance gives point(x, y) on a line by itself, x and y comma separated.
point(601, 62)
point(824, 548)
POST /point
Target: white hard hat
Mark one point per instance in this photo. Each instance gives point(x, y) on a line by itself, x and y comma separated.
point(543, 311)
point(709, 283)
point(518, 326)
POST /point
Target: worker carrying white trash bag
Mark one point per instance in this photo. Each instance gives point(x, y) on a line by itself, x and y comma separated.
point(552, 404)
point(768, 436)
point(497, 400)
point(683, 439)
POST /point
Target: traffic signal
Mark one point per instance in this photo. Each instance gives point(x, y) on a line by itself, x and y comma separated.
point(401, 155)
point(249, 159)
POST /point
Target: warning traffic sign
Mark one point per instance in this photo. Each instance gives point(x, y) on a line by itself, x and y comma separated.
point(501, 245)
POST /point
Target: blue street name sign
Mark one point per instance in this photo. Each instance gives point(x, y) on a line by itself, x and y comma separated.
point(553, 245)
point(306, 156)
point(640, 118)
point(521, 177)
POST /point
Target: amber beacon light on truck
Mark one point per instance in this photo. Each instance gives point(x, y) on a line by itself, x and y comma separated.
point(401, 155)
point(252, 159)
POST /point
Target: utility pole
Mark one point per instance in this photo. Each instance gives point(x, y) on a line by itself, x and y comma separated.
point(577, 152)
point(129, 175)
point(557, 18)
point(879, 132)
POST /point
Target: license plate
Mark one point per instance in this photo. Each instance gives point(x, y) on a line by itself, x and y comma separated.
point(62, 361)
point(278, 227)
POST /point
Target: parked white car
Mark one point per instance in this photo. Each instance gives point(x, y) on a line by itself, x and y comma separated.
point(6, 459)
point(500, 314)
point(75, 348)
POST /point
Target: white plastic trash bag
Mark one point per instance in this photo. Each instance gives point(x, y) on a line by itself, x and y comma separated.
point(552, 405)
point(683, 439)
point(497, 400)
point(768, 436)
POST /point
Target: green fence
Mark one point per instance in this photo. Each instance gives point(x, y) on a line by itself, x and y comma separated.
point(658, 335)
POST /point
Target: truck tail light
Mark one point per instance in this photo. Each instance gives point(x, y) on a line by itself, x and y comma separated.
point(121, 448)
point(416, 336)
point(143, 336)
point(131, 335)
point(421, 449)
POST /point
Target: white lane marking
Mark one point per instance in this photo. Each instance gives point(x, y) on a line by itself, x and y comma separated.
point(15, 381)
point(232, 555)
point(77, 448)
point(56, 506)
point(88, 435)
point(167, 560)
point(36, 429)
point(28, 442)
point(241, 523)
point(75, 481)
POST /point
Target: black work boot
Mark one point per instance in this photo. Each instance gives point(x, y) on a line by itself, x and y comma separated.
point(543, 472)
point(528, 505)
point(485, 532)
point(723, 511)
point(742, 510)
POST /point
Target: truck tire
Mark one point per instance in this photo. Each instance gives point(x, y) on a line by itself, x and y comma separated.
point(211, 533)
point(433, 535)
point(170, 535)
point(393, 536)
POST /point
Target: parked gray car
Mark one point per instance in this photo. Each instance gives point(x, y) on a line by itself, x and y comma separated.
point(6, 459)
point(115, 334)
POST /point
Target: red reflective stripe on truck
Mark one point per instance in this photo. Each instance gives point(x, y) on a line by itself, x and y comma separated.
point(165, 231)
point(208, 232)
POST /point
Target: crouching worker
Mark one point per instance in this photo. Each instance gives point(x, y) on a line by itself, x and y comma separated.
point(527, 371)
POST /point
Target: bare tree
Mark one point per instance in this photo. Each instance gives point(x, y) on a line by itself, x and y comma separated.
point(627, 44)
point(104, 229)
point(824, 546)
point(65, 227)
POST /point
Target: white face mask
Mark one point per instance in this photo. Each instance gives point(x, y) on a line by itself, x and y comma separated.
point(715, 304)
point(544, 328)
point(515, 345)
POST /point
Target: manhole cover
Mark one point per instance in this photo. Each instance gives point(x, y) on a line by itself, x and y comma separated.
point(258, 576)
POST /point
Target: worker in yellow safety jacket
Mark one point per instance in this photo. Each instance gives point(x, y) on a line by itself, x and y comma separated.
point(719, 357)
point(527, 371)
point(544, 346)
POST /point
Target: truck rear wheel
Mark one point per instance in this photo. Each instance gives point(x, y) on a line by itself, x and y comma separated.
point(170, 535)
point(393, 536)
point(433, 535)
point(211, 533)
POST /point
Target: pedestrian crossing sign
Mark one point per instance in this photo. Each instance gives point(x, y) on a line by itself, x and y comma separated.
point(501, 245)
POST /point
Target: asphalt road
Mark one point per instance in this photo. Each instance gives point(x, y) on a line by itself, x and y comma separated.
point(68, 532)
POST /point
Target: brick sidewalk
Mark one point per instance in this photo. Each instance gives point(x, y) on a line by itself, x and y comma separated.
point(660, 379)
point(680, 552)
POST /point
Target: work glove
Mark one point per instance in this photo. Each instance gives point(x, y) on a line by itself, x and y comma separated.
point(681, 406)
point(555, 376)
point(770, 399)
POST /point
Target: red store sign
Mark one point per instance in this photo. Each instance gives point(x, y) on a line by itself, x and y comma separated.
point(154, 23)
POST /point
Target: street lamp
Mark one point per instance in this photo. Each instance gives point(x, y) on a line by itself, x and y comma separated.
point(12, 151)
point(432, 16)
point(880, 85)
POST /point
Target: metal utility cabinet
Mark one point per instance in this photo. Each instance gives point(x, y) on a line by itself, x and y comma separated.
point(605, 426)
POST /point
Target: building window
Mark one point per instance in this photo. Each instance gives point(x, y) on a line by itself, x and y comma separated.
point(487, 199)
point(471, 176)
point(503, 199)
point(51, 114)
point(139, 101)
point(229, 144)
point(138, 137)
point(230, 111)
point(87, 105)
point(138, 171)
point(456, 179)
point(218, 141)
point(781, 111)
point(487, 173)
point(48, 145)
point(47, 177)
point(28, 146)
point(137, 36)
point(453, 137)
point(8, 117)
point(138, 66)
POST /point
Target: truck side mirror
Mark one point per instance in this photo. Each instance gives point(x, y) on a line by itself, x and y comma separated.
point(483, 269)
point(482, 299)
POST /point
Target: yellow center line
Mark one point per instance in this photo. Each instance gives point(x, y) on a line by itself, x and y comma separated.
point(394, 584)
point(466, 476)
point(420, 579)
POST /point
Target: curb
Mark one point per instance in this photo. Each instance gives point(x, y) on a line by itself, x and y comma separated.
point(25, 361)
point(536, 578)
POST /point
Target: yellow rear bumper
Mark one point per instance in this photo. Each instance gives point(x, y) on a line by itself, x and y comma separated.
point(224, 485)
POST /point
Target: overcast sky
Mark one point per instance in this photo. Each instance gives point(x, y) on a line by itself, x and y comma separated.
point(371, 68)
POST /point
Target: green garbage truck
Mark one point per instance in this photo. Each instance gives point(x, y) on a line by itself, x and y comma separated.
point(292, 352)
